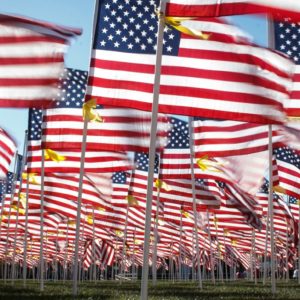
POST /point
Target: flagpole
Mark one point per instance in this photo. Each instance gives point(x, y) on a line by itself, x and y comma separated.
point(273, 279)
point(192, 155)
point(93, 277)
point(9, 212)
point(251, 258)
point(255, 257)
point(18, 205)
point(79, 200)
point(124, 244)
point(25, 235)
point(42, 222)
point(66, 253)
point(298, 242)
point(287, 252)
point(154, 254)
point(180, 246)
point(152, 148)
point(4, 196)
point(266, 247)
point(271, 44)
point(211, 252)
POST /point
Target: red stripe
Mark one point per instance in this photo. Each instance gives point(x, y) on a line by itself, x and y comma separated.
point(188, 111)
point(29, 82)
point(30, 39)
point(185, 91)
point(19, 103)
point(59, 58)
point(231, 57)
point(192, 71)
point(227, 9)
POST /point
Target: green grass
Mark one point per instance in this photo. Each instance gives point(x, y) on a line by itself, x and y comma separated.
point(110, 290)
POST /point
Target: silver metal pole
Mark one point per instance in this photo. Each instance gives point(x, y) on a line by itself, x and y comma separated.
point(18, 205)
point(42, 223)
point(154, 254)
point(273, 279)
point(266, 247)
point(299, 244)
point(287, 252)
point(80, 189)
point(25, 235)
point(3, 196)
point(124, 245)
point(66, 253)
point(9, 212)
point(180, 250)
point(194, 201)
point(211, 252)
point(152, 148)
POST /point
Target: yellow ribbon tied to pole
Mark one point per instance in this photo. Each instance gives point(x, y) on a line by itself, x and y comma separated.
point(90, 220)
point(53, 155)
point(206, 164)
point(31, 178)
point(23, 199)
point(185, 214)
point(175, 22)
point(162, 185)
point(89, 113)
point(280, 190)
point(132, 201)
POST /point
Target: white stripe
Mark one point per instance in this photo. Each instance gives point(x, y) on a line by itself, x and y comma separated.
point(189, 102)
point(28, 93)
point(193, 82)
point(40, 71)
point(41, 49)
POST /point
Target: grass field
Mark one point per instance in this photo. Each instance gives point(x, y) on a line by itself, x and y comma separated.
point(164, 290)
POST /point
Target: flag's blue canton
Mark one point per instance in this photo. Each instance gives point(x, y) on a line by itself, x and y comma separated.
point(179, 136)
point(71, 94)
point(2, 190)
point(19, 166)
point(6, 185)
point(287, 155)
point(35, 120)
point(264, 187)
point(119, 177)
point(72, 89)
point(293, 200)
point(200, 181)
point(142, 162)
point(131, 26)
point(287, 39)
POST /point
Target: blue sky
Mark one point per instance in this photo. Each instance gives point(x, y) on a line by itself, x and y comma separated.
point(80, 13)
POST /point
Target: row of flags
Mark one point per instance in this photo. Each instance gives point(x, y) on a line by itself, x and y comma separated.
point(230, 88)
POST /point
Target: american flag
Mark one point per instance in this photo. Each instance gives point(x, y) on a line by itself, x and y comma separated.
point(95, 161)
point(294, 206)
point(122, 129)
point(288, 165)
point(6, 185)
point(32, 60)
point(62, 189)
point(216, 8)
point(217, 78)
point(120, 184)
point(7, 150)
point(227, 138)
point(287, 40)
point(176, 163)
